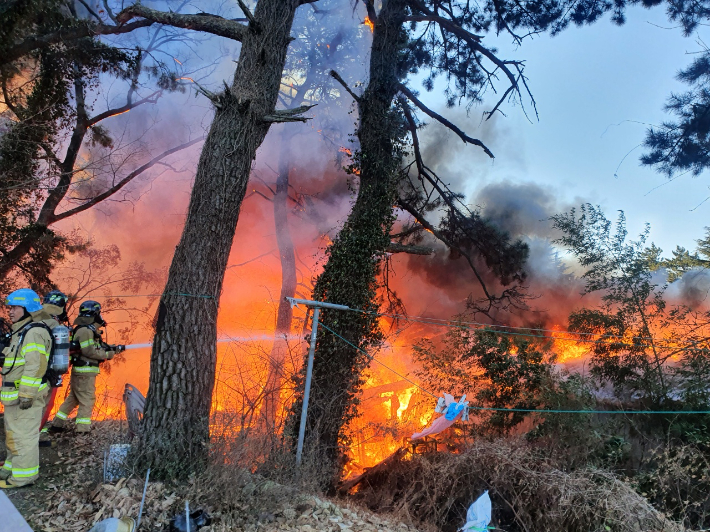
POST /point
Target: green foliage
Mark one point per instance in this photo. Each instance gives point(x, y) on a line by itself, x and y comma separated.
point(682, 260)
point(632, 308)
point(42, 91)
point(502, 372)
point(503, 256)
point(683, 145)
point(646, 348)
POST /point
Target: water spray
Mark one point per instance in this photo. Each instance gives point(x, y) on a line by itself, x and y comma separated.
point(226, 339)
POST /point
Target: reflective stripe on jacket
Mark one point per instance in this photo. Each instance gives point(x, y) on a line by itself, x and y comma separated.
point(26, 364)
point(92, 351)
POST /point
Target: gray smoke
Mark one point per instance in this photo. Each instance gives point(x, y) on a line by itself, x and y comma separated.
point(692, 289)
point(521, 209)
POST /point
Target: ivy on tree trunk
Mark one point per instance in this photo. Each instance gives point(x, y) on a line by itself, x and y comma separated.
point(350, 275)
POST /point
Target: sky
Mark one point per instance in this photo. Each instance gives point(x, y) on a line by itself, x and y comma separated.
point(597, 88)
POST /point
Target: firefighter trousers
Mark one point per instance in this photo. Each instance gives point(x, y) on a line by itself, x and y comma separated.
point(22, 441)
point(82, 393)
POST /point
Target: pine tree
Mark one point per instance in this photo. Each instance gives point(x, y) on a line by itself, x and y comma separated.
point(49, 122)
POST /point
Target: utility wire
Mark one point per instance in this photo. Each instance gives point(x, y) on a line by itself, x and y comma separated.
point(455, 324)
point(183, 294)
point(494, 409)
point(495, 328)
point(459, 324)
point(371, 357)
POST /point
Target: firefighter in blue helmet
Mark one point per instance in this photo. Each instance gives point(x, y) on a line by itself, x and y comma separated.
point(90, 352)
point(24, 388)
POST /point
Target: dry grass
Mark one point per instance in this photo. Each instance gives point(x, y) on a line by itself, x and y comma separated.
point(529, 493)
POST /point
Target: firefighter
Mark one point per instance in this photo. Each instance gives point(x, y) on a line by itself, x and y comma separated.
point(54, 313)
point(85, 367)
point(54, 309)
point(23, 391)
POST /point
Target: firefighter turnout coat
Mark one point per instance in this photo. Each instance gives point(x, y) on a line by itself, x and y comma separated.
point(85, 369)
point(25, 364)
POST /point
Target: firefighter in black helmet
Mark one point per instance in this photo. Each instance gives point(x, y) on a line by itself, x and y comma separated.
point(89, 352)
point(53, 314)
point(55, 304)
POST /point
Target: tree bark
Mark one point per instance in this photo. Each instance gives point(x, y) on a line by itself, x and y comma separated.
point(284, 315)
point(350, 275)
point(183, 360)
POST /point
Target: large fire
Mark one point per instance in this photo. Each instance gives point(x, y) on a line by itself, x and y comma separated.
point(392, 407)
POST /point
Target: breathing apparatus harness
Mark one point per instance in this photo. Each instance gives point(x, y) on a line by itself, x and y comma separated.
point(5, 337)
point(75, 349)
point(49, 375)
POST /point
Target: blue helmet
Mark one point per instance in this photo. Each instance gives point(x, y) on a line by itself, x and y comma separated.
point(24, 297)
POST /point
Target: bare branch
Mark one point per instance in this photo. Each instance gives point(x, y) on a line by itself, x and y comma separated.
point(474, 41)
point(259, 193)
point(91, 11)
point(153, 98)
point(248, 14)
point(251, 260)
point(371, 13)
point(109, 11)
point(415, 138)
point(407, 232)
point(123, 182)
point(204, 22)
point(289, 115)
point(423, 221)
point(340, 80)
point(396, 247)
point(410, 95)
point(39, 42)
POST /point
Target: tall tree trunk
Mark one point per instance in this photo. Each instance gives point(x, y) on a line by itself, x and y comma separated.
point(284, 315)
point(183, 359)
point(350, 275)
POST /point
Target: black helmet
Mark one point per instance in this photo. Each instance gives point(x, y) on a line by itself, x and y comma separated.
point(55, 297)
point(58, 299)
point(91, 309)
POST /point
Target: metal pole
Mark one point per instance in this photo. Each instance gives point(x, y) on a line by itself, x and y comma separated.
point(307, 389)
point(187, 515)
point(145, 488)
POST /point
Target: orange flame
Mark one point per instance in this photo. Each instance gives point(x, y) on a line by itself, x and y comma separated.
point(369, 23)
point(567, 346)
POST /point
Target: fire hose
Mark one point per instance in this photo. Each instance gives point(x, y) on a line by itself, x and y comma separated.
point(257, 338)
point(53, 392)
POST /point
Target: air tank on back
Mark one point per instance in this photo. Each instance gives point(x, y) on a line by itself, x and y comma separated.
point(60, 356)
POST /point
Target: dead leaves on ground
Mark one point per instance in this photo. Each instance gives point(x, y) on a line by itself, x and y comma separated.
point(74, 500)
